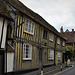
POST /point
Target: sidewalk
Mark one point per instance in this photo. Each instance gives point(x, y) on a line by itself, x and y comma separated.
point(51, 69)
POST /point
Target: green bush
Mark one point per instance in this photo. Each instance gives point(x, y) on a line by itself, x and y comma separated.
point(69, 51)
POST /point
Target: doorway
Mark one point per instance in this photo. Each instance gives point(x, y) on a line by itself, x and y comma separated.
point(1, 63)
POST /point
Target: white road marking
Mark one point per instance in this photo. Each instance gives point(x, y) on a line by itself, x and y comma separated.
point(63, 70)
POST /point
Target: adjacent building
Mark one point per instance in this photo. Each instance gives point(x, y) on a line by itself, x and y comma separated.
point(5, 20)
point(70, 36)
point(33, 44)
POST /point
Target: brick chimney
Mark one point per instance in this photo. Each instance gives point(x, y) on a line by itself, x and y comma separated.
point(72, 30)
point(61, 29)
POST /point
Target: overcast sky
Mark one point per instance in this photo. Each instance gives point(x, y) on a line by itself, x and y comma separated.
point(56, 12)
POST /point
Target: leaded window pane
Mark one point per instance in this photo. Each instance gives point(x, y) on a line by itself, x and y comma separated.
point(29, 26)
point(51, 54)
point(59, 56)
point(45, 34)
point(32, 25)
point(27, 51)
point(58, 40)
point(51, 37)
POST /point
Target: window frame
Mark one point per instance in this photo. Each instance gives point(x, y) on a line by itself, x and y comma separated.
point(63, 43)
point(58, 41)
point(45, 32)
point(51, 54)
point(32, 28)
point(59, 57)
point(51, 37)
point(24, 58)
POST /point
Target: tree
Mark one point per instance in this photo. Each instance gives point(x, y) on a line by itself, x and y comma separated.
point(69, 51)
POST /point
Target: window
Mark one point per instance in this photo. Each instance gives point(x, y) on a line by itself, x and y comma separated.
point(59, 55)
point(27, 51)
point(51, 37)
point(58, 40)
point(29, 26)
point(51, 55)
point(63, 43)
point(45, 34)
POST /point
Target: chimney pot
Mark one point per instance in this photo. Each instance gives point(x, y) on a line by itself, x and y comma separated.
point(61, 29)
point(72, 30)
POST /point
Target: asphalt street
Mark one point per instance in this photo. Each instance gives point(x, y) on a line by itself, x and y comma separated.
point(65, 71)
point(70, 71)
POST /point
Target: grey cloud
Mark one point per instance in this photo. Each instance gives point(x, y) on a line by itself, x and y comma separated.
point(57, 12)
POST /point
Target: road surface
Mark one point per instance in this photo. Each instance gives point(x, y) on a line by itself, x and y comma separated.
point(66, 71)
point(69, 71)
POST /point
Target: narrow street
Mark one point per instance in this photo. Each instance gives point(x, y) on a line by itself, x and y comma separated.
point(65, 71)
point(70, 71)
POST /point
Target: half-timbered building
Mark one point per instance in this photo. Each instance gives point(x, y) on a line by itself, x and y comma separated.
point(37, 44)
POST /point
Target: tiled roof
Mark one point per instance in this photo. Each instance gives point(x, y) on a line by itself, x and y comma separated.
point(3, 10)
point(22, 8)
point(70, 36)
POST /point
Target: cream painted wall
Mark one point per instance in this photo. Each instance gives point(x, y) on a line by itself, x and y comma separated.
point(10, 60)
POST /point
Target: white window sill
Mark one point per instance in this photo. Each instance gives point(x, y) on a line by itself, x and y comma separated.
point(51, 40)
point(58, 43)
point(29, 33)
point(27, 59)
point(51, 59)
point(63, 45)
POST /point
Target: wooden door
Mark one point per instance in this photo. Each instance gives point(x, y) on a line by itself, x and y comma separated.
point(1, 63)
point(63, 58)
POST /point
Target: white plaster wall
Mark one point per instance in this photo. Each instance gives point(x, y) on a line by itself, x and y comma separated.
point(1, 24)
point(10, 60)
point(4, 35)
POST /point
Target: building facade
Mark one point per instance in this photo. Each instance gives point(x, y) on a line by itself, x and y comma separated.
point(70, 36)
point(5, 20)
point(36, 43)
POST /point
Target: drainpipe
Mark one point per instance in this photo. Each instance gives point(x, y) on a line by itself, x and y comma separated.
point(55, 49)
point(15, 32)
